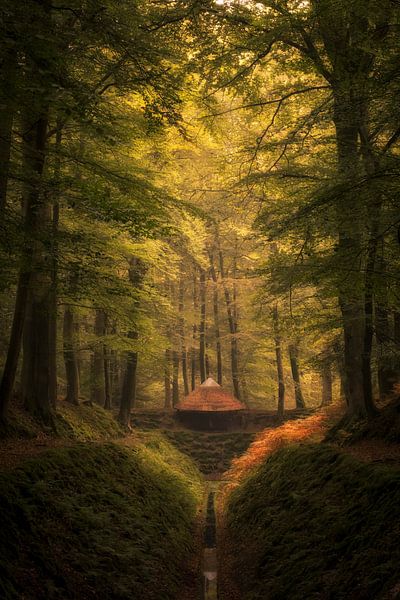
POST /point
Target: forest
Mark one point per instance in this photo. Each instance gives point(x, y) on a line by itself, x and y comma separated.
point(199, 205)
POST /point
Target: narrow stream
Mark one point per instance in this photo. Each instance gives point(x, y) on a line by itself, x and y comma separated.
point(210, 571)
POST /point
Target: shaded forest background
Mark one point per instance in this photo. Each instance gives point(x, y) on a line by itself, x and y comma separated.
point(199, 188)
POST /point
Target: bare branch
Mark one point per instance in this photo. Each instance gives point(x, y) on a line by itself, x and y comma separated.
point(268, 102)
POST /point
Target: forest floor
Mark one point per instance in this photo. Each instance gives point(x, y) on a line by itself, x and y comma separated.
point(212, 451)
point(15, 451)
point(222, 457)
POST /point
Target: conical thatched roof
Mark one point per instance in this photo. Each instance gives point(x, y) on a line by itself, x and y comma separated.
point(209, 397)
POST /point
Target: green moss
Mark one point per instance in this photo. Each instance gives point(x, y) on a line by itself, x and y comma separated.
point(315, 523)
point(98, 521)
point(85, 422)
point(168, 456)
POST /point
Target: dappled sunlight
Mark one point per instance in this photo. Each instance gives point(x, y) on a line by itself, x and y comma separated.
point(309, 429)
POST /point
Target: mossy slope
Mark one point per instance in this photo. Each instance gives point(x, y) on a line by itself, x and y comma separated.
point(84, 423)
point(98, 522)
point(314, 523)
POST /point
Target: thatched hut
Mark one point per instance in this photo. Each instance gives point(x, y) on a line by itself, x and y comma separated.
point(209, 407)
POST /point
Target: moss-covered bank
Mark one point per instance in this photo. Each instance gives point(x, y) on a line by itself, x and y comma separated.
point(84, 422)
point(312, 523)
point(99, 521)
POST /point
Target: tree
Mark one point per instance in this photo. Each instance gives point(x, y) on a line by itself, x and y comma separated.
point(137, 271)
point(293, 354)
point(71, 59)
point(342, 47)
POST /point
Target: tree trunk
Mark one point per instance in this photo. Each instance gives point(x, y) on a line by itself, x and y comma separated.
point(349, 248)
point(326, 382)
point(233, 329)
point(167, 380)
point(194, 335)
point(182, 336)
point(185, 374)
point(115, 373)
point(137, 272)
point(202, 326)
point(175, 377)
point(349, 116)
point(98, 393)
point(208, 370)
point(128, 397)
point(298, 394)
point(37, 384)
point(107, 377)
point(387, 375)
point(54, 270)
point(70, 357)
point(7, 110)
point(14, 346)
point(34, 149)
point(218, 347)
point(279, 363)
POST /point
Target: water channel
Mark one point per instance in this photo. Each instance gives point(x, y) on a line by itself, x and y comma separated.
point(210, 569)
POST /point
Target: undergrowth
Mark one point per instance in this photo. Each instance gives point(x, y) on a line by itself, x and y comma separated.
point(311, 522)
point(99, 521)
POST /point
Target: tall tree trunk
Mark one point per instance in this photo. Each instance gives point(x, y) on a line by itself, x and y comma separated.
point(98, 393)
point(137, 272)
point(175, 377)
point(193, 364)
point(351, 66)
point(349, 248)
point(115, 372)
point(37, 384)
point(185, 374)
point(167, 380)
point(182, 336)
point(218, 346)
point(53, 317)
point(54, 269)
point(374, 204)
point(202, 326)
point(387, 375)
point(34, 283)
point(128, 396)
point(70, 357)
point(233, 327)
point(208, 370)
point(34, 150)
point(106, 365)
point(279, 363)
point(7, 110)
point(298, 393)
point(194, 335)
point(326, 381)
